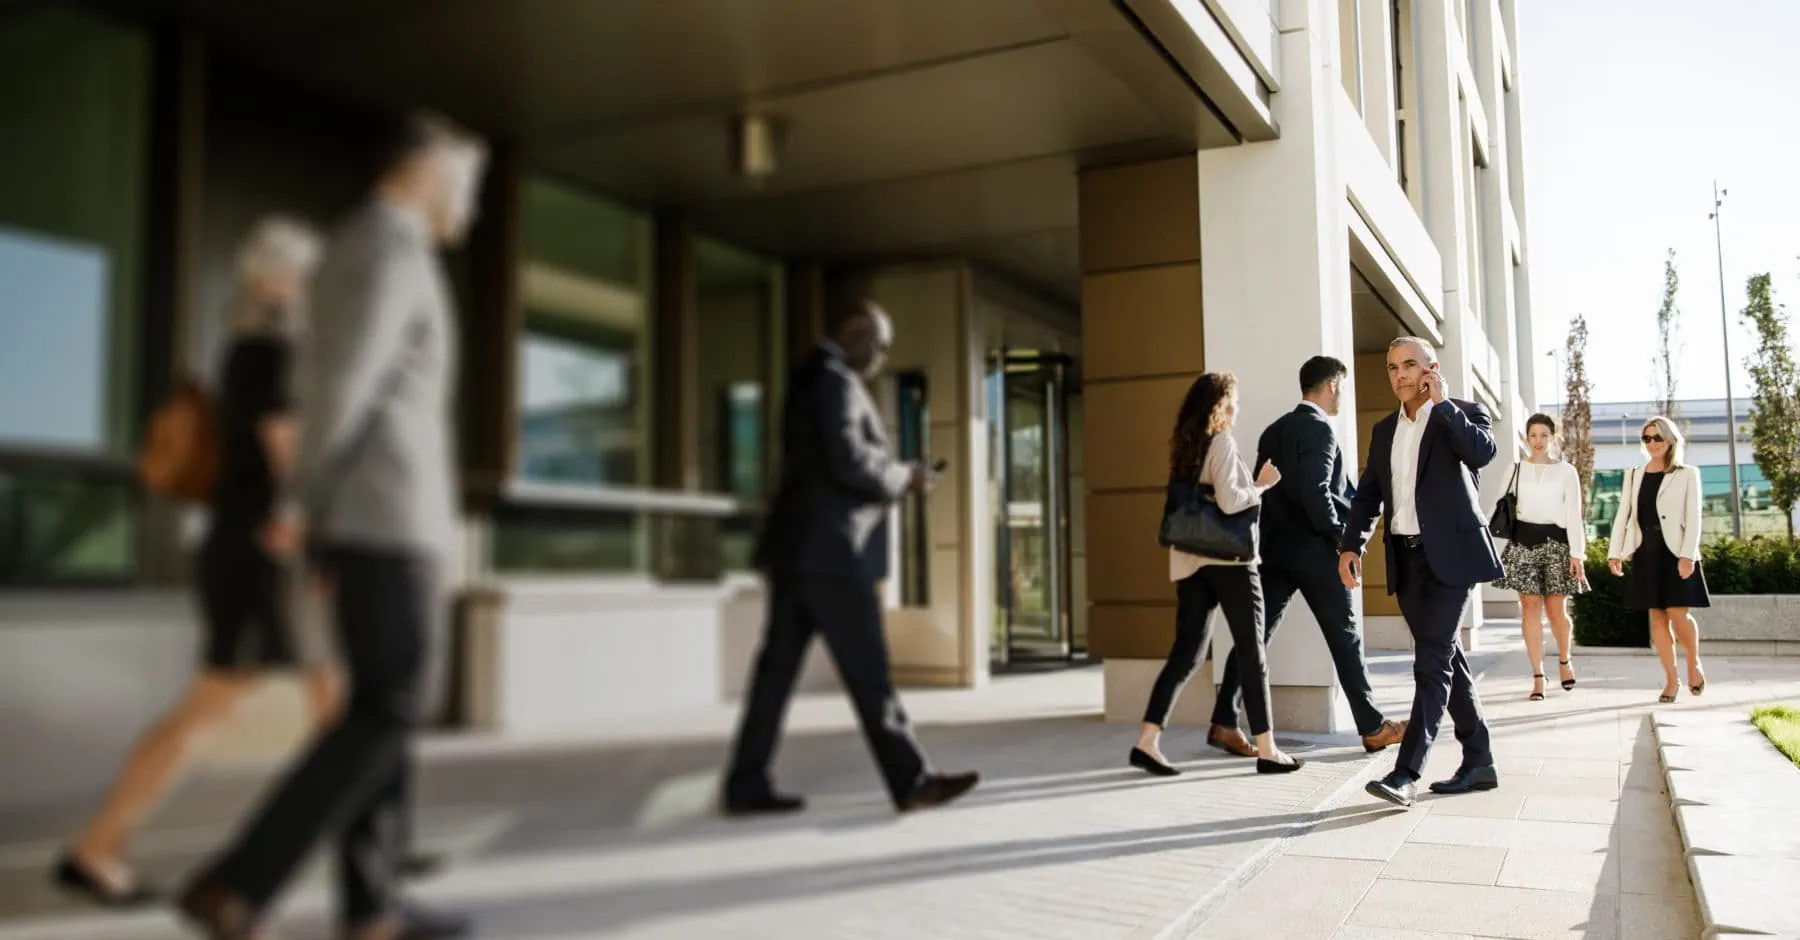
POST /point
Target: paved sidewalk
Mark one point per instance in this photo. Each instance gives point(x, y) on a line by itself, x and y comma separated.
point(1579, 841)
point(1062, 840)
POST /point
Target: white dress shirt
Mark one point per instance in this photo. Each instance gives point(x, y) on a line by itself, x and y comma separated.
point(1550, 494)
point(1408, 433)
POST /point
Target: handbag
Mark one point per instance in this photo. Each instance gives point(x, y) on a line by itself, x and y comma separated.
point(1193, 523)
point(1505, 520)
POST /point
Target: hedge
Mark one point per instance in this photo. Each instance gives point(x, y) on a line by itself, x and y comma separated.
point(1760, 565)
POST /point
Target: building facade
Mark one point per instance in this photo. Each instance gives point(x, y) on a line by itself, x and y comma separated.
point(1617, 426)
point(1071, 207)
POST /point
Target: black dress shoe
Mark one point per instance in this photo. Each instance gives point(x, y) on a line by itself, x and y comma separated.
point(70, 875)
point(1279, 767)
point(1468, 780)
point(218, 913)
point(1147, 762)
point(1397, 788)
point(939, 789)
point(768, 803)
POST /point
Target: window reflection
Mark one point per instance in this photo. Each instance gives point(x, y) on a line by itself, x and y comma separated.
point(584, 352)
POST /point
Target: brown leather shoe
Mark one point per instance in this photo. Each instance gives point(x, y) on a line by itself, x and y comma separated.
point(1231, 741)
point(1389, 734)
point(219, 914)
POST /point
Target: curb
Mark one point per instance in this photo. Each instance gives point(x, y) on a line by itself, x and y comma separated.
point(1709, 901)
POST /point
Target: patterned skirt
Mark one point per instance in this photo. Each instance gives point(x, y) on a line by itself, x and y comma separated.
point(1540, 570)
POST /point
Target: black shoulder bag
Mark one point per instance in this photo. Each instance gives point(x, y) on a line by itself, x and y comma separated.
point(1193, 523)
point(1505, 520)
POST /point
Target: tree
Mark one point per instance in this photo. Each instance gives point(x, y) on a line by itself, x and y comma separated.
point(1578, 412)
point(1775, 404)
point(1668, 336)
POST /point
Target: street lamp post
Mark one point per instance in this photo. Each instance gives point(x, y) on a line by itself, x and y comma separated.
point(1737, 511)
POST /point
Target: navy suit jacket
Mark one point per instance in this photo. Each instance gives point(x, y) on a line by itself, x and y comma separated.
point(1303, 517)
point(1458, 442)
point(838, 478)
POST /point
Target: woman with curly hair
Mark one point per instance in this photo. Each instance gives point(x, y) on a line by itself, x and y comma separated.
point(1202, 450)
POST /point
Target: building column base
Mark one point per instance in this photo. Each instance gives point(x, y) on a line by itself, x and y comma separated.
point(1310, 708)
point(1390, 633)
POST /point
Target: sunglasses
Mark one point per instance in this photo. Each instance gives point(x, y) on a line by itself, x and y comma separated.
point(1653, 439)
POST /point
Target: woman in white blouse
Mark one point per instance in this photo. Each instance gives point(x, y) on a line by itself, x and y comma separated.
point(1202, 448)
point(1658, 528)
point(1543, 561)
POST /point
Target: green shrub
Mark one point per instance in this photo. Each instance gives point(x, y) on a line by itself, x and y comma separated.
point(1601, 618)
point(1760, 565)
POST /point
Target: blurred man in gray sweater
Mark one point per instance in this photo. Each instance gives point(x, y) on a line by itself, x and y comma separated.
point(373, 491)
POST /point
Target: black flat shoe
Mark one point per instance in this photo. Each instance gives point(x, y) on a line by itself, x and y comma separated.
point(1396, 788)
point(72, 876)
point(1279, 767)
point(1469, 780)
point(1147, 762)
point(1567, 684)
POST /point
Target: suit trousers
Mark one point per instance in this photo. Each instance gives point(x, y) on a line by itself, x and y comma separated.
point(1237, 589)
point(1441, 677)
point(1317, 581)
point(846, 612)
point(354, 779)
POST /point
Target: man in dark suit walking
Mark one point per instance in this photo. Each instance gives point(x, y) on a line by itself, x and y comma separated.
point(1423, 465)
point(1302, 522)
point(822, 555)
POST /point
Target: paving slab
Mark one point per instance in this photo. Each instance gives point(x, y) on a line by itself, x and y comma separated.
point(1747, 895)
point(1730, 830)
point(1728, 785)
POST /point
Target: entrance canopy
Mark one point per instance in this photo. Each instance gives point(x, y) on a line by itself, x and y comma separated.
point(902, 128)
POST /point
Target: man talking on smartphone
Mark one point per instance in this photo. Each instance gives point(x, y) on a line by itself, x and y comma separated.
point(1421, 480)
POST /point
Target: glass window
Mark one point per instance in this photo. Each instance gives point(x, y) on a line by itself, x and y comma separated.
point(584, 353)
point(738, 307)
point(73, 113)
point(73, 110)
point(584, 380)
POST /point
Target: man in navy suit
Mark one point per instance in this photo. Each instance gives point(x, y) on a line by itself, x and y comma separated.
point(1302, 522)
point(1423, 461)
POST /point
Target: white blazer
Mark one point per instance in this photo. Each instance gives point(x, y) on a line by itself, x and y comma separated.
point(1677, 506)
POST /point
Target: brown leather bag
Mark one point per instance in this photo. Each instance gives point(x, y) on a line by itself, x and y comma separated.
point(181, 446)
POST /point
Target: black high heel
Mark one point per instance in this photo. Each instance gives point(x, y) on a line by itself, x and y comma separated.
point(1567, 684)
point(1535, 695)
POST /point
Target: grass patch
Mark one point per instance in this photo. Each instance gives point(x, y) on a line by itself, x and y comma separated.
point(1782, 724)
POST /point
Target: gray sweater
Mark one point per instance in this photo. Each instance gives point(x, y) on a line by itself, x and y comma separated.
point(375, 384)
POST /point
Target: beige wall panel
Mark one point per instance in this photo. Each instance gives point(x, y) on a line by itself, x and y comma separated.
point(1124, 561)
point(1141, 214)
point(1126, 431)
point(1131, 631)
point(1142, 322)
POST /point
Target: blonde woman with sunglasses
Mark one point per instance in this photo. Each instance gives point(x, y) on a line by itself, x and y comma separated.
point(1658, 529)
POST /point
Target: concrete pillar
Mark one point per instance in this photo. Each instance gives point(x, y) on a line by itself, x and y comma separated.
point(1277, 264)
point(1445, 146)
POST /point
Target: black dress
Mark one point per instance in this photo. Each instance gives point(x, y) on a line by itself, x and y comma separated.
point(243, 591)
point(1654, 581)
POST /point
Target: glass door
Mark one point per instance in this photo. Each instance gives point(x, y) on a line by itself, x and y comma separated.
point(1027, 400)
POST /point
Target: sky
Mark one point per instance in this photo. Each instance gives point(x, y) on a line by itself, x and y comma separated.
point(1631, 108)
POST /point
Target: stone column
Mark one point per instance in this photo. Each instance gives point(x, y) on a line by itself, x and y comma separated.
point(1276, 293)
